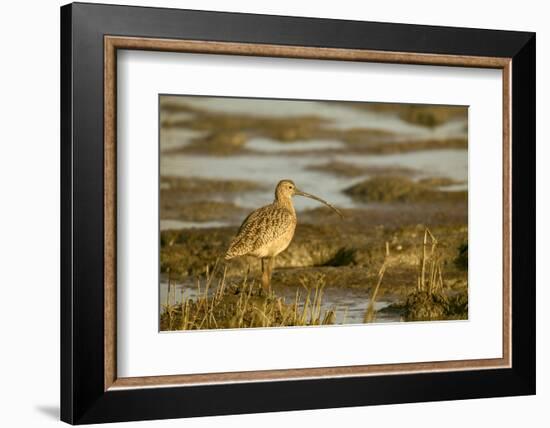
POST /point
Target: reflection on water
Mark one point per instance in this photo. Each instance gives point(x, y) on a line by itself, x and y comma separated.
point(349, 304)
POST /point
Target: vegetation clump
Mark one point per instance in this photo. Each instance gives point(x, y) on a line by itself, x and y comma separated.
point(195, 199)
point(401, 189)
point(245, 305)
point(222, 142)
point(429, 301)
point(345, 169)
point(199, 211)
point(438, 181)
point(192, 185)
point(461, 260)
point(424, 115)
point(425, 306)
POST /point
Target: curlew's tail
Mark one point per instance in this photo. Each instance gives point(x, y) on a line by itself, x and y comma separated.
point(232, 252)
point(235, 249)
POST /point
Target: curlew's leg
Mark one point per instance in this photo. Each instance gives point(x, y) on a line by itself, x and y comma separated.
point(265, 275)
point(270, 263)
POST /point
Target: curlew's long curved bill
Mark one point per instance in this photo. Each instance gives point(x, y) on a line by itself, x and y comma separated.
point(310, 196)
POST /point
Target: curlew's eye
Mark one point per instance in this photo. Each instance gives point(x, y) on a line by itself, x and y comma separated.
point(290, 187)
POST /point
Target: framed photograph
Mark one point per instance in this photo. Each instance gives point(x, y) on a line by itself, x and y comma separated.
point(265, 213)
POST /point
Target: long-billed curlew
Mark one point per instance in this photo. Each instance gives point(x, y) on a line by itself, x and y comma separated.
point(269, 230)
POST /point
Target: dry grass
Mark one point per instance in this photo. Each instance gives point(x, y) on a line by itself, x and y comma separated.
point(430, 278)
point(429, 301)
point(370, 313)
point(431, 298)
point(244, 305)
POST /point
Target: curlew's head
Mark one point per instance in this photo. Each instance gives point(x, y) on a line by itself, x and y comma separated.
point(286, 189)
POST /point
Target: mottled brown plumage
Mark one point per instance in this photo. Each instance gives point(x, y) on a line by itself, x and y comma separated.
point(268, 231)
point(262, 230)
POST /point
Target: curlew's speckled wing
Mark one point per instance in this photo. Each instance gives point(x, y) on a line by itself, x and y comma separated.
point(261, 227)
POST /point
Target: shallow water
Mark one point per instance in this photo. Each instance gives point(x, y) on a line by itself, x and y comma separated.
point(277, 160)
point(265, 170)
point(269, 169)
point(176, 138)
point(337, 115)
point(451, 163)
point(269, 145)
point(349, 304)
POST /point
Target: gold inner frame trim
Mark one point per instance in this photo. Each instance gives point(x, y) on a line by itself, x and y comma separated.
point(113, 43)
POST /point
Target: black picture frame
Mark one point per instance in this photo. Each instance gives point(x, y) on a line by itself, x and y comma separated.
point(83, 398)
